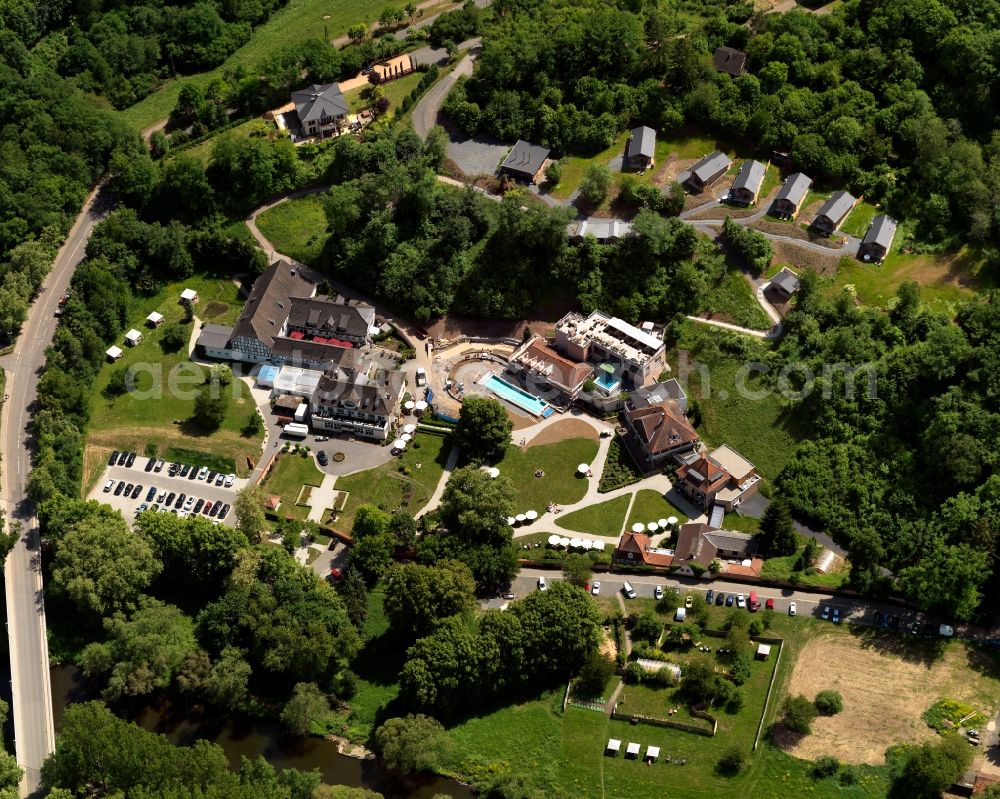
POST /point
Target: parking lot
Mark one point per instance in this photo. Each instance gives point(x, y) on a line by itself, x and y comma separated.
point(165, 484)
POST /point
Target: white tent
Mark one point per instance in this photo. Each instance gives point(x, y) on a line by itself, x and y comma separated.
point(531, 515)
point(133, 337)
point(420, 405)
point(763, 651)
point(409, 404)
point(399, 444)
point(638, 527)
point(155, 319)
point(114, 353)
point(633, 750)
point(189, 294)
point(583, 468)
point(409, 428)
point(598, 546)
point(652, 752)
point(614, 746)
point(553, 540)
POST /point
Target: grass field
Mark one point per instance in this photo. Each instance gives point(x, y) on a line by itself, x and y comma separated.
point(574, 166)
point(196, 458)
point(734, 299)
point(144, 421)
point(394, 91)
point(558, 461)
point(296, 22)
point(605, 518)
point(286, 479)
point(650, 506)
point(388, 488)
point(742, 524)
point(202, 151)
point(760, 429)
point(859, 219)
point(297, 227)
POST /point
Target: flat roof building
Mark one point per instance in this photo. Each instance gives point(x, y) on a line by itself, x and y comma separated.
point(599, 339)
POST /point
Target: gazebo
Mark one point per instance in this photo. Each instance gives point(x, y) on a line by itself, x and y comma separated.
point(114, 353)
point(613, 748)
point(133, 337)
point(763, 651)
point(633, 750)
point(652, 752)
point(190, 295)
point(155, 319)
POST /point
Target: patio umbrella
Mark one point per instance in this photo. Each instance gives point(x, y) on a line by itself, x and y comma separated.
point(574, 543)
point(420, 406)
point(520, 518)
point(493, 472)
point(586, 543)
point(409, 405)
point(599, 546)
point(531, 515)
point(652, 527)
point(406, 437)
point(663, 523)
point(553, 540)
point(564, 542)
point(583, 468)
point(399, 444)
point(409, 428)
point(607, 368)
point(511, 520)
point(638, 527)
point(672, 520)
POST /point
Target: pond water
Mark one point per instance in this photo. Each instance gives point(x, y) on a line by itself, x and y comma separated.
point(252, 738)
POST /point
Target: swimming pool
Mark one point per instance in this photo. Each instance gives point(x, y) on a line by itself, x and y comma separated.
point(606, 381)
point(517, 396)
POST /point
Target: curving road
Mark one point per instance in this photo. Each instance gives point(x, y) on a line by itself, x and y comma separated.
point(34, 736)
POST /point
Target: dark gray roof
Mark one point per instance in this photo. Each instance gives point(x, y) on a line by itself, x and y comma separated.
point(641, 142)
point(726, 59)
point(525, 158)
point(711, 165)
point(269, 302)
point(216, 336)
point(317, 101)
point(751, 176)
point(787, 280)
point(301, 351)
point(335, 317)
point(655, 394)
point(374, 396)
point(881, 231)
point(837, 207)
point(794, 188)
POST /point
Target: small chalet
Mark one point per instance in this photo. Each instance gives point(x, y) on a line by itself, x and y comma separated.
point(658, 432)
point(722, 477)
point(746, 187)
point(641, 148)
point(525, 162)
point(833, 212)
point(732, 62)
point(878, 239)
point(636, 549)
point(707, 171)
point(785, 283)
point(133, 337)
point(790, 197)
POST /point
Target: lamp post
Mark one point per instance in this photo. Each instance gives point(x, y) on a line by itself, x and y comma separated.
point(326, 37)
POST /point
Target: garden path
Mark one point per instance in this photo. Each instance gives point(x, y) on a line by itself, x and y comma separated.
point(322, 498)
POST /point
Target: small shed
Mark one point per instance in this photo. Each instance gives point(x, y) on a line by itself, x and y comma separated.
point(729, 60)
point(133, 337)
point(633, 750)
point(785, 282)
point(114, 353)
point(640, 149)
point(613, 748)
point(652, 752)
point(273, 502)
point(190, 295)
point(155, 319)
point(763, 651)
point(680, 614)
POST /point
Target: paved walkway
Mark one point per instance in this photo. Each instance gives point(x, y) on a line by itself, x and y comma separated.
point(322, 498)
point(425, 112)
point(435, 499)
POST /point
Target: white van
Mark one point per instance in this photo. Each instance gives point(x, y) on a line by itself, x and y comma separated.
point(421, 376)
point(628, 590)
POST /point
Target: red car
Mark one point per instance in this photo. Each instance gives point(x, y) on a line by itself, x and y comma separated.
point(336, 575)
point(769, 604)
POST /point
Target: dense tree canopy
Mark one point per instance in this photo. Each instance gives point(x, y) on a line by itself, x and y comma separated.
point(483, 430)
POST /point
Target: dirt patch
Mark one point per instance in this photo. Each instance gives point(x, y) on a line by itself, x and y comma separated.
point(793, 231)
point(800, 258)
point(736, 212)
point(452, 326)
point(608, 648)
point(561, 431)
point(666, 172)
point(214, 310)
point(884, 692)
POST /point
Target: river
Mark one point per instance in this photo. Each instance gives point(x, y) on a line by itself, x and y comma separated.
point(252, 738)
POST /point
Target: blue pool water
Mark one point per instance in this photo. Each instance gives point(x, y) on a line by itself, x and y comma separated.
point(515, 395)
point(605, 380)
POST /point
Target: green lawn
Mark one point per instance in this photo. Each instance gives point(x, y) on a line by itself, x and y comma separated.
point(394, 91)
point(297, 227)
point(760, 428)
point(286, 479)
point(781, 569)
point(558, 461)
point(574, 166)
point(196, 458)
point(606, 518)
point(734, 297)
point(202, 151)
point(742, 524)
point(297, 21)
point(859, 219)
point(388, 488)
point(650, 506)
point(144, 420)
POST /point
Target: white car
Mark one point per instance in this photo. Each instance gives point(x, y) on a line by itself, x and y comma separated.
point(791, 608)
point(826, 613)
point(658, 592)
point(421, 376)
point(688, 601)
point(108, 486)
point(230, 479)
point(595, 589)
point(542, 585)
point(189, 503)
point(203, 473)
point(741, 601)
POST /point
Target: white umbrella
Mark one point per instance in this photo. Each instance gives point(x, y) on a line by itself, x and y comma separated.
point(409, 428)
point(564, 542)
point(420, 405)
point(409, 405)
point(511, 520)
point(583, 468)
point(406, 437)
point(531, 515)
point(586, 543)
point(574, 543)
point(652, 527)
point(553, 540)
point(663, 522)
point(599, 546)
point(493, 472)
point(399, 444)
point(672, 520)
point(638, 527)
point(520, 518)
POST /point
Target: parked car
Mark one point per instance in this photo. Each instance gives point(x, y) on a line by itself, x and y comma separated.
point(128, 490)
point(136, 490)
point(741, 601)
point(947, 631)
point(322, 438)
point(199, 505)
point(769, 605)
point(150, 463)
point(658, 592)
point(131, 460)
point(155, 507)
point(207, 510)
point(224, 512)
point(184, 470)
point(220, 479)
point(119, 488)
point(709, 597)
point(322, 458)
point(181, 499)
point(628, 590)
point(158, 467)
point(542, 585)
point(826, 613)
point(108, 486)
point(836, 615)
point(720, 599)
point(122, 458)
point(730, 600)
point(421, 376)
point(170, 498)
point(230, 479)
point(791, 608)
point(151, 494)
point(216, 507)
point(211, 476)
point(203, 473)
point(141, 508)
point(189, 503)
point(113, 458)
point(193, 474)
point(595, 589)
point(688, 601)
point(161, 496)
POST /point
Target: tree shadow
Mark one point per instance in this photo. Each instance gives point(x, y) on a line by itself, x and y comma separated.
point(922, 651)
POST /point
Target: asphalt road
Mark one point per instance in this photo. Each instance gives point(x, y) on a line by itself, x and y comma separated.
point(29, 658)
